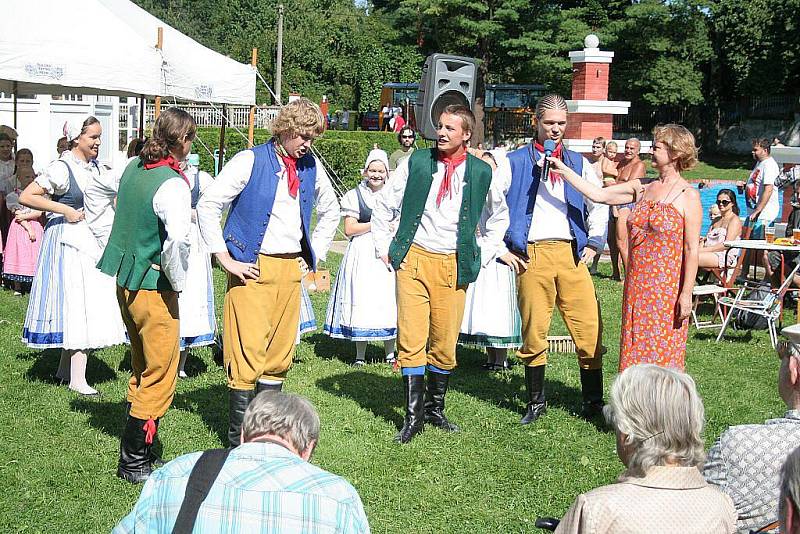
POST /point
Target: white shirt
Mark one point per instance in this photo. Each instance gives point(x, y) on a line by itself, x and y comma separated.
point(549, 219)
point(172, 205)
point(6, 171)
point(98, 201)
point(284, 231)
point(350, 200)
point(438, 227)
point(55, 178)
point(765, 173)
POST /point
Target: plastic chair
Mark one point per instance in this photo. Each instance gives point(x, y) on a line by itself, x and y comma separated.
point(770, 307)
point(714, 291)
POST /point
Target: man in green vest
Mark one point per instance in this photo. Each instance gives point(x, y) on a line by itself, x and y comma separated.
point(443, 194)
point(148, 253)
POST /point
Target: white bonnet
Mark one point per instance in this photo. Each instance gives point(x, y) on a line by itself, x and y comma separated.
point(376, 154)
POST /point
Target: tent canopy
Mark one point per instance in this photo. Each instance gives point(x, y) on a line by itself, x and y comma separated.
point(108, 47)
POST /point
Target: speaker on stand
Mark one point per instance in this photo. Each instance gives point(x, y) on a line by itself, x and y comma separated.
point(445, 80)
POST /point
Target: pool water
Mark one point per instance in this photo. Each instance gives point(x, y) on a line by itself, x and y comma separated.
point(708, 196)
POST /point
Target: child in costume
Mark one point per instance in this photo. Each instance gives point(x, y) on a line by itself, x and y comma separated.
point(24, 236)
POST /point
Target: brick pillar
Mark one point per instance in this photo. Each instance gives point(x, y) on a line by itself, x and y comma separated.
point(590, 81)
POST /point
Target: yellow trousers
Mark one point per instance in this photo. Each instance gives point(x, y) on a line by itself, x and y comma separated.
point(151, 318)
point(555, 277)
point(260, 322)
point(430, 307)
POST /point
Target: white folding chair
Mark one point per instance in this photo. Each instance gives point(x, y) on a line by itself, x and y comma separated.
point(770, 307)
point(707, 290)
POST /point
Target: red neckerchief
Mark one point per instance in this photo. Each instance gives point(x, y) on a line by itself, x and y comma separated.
point(291, 172)
point(170, 162)
point(553, 177)
point(450, 165)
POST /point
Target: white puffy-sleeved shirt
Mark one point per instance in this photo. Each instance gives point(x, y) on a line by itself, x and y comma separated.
point(438, 227)
point(55, 178)
point(284, 232)
point(172, 205)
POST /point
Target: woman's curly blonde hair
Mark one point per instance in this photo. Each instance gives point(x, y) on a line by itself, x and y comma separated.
point(680, 143)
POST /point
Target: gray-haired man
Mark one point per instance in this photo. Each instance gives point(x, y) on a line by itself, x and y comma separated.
point(267, 480)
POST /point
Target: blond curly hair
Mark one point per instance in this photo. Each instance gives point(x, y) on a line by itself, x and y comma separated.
point(299, 117)
point(680, 143)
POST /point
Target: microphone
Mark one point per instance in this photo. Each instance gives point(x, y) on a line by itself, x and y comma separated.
point(549, 148)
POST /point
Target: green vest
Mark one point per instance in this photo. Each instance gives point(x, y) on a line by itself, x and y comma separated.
point(133, 253)
point(421, 168)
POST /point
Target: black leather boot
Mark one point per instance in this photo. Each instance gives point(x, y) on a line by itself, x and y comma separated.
point(414, 389)
point(155, 460)
point(260, 386)
point(592, 391)
point(238, 400)
point(134, 452)
point(534, 384)
point(435, 391)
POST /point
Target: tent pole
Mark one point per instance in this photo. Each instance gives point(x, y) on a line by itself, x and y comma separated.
point(15, 106)
point(221, 157)
point(251, 124)
point(160, 46)
point(142, 111)
point(279, 56)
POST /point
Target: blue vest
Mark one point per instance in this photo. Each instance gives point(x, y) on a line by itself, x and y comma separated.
point(250, 211)
point(74, 195)
point(521, 198)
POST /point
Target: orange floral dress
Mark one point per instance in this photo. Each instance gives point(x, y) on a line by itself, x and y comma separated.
point(650, 331)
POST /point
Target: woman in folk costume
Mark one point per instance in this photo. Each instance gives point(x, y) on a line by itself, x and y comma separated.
point(362, 307)
point(72, 304)
point(196, 302)
point(148, 253)
point(491, 315)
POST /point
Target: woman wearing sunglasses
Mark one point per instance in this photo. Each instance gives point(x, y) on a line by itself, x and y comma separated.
point(726, 228)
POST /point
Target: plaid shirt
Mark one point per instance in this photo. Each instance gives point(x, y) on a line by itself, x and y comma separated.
point(262, 488)
point(746, 461)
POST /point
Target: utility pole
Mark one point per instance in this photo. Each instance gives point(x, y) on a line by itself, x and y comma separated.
point(279, 54)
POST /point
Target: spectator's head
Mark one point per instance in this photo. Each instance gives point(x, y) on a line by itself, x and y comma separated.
point(726, 200)
point(406, 137)
point(62, 145)
point(135, 146)
point(456, 124)
point(658, 417)
point(789, 374)
point(598, 146)
point(289, 418)
point(6, 147)
point(23, 159)
point(632, 148)
point(551, 118)
point(789, 500)
point(173, 134)
point(776, 141)
point(674, 144)
point(376, 169)
point(297, 125)
point(611, 150)
point(84, 135)
point(25, 175)
point(761, 148)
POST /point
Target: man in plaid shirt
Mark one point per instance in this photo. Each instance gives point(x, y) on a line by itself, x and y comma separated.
point(266, 484)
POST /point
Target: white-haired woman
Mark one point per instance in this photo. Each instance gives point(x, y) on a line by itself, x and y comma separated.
point(789, 503)
point(658, 418)
point(72, 304)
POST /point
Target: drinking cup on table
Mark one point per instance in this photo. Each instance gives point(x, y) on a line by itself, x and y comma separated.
point(796, 234)
point(769, 233)
point(780, 229)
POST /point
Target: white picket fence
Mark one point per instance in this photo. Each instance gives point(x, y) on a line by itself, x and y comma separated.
point(204, 114)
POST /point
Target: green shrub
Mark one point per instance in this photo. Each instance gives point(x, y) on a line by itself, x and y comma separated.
point(343, 151)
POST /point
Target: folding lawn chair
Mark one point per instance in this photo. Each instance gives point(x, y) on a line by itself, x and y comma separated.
point(769, 307)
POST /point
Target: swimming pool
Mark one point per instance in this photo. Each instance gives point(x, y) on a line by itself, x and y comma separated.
point(708, 196)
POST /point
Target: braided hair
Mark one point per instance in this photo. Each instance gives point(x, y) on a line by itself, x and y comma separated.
point(550, 101)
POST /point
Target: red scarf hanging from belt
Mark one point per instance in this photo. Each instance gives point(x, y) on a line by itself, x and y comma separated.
point(553, 177)
point(450, 164)
point(170, 162)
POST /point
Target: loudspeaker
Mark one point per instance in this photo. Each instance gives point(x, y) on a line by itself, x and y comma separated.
point(445, 80)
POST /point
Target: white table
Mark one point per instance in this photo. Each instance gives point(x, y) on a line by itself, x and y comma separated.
point(758, 244)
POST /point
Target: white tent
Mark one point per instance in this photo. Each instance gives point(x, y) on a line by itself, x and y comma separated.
point(108, 47)
point(52, 46)
point(191, 71)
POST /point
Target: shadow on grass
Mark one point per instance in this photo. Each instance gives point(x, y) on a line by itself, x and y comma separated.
point(381, 395)
point(210, 403)
point(328, 348)
point(106, 416)
point(738, 336)
point(46, 364)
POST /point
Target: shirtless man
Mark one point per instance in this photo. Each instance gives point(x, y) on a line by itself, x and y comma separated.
point(610, 173)
point(630, 168)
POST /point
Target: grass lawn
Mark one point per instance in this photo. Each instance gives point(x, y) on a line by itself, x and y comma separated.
point(58, 451)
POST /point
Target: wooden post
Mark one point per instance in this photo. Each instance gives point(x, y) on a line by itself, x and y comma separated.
point(222, 139)
point(142, 111)
point(160, 46)
point(15, 106)
point(252, 123)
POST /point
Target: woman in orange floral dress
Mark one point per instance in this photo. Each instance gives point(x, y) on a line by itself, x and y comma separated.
point(664, 230)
